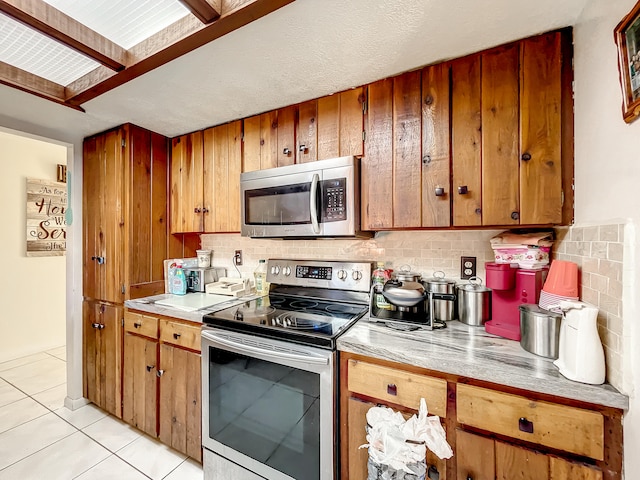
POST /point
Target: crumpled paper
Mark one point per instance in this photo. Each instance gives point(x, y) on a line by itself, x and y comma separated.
point(397, 443)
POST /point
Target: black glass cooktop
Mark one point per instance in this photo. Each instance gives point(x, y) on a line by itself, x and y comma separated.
point(298, 319)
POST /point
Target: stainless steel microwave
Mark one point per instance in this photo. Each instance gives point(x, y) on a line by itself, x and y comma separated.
point(305, 200)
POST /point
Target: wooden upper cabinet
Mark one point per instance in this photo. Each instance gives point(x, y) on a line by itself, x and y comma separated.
point(466, 141)
point(436, 151)
point(500, 172)
point(377, 164)
point(187, 183)
point(269, 139)
point(541, 155)
point(307, 132)
point(103, 223)
point(222, 168)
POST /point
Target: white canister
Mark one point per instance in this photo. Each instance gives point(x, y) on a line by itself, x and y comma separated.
point(204, 258)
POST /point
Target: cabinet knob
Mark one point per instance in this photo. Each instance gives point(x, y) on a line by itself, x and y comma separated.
point(525, 425)
point(286, 151)
point(150, 367)
point(463, 190)
point(205, 210)
point(439, 191)
point(159, 373)
point(197, 210)
point(95, 325)
point(303, 148)
point(100, 260)
point(526, 156)
point(515, 215)
point(433, 473)
point(392, 389)
point(176, 336)
point(137, 324)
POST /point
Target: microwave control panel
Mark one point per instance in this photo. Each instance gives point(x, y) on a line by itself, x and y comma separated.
point(334, 200)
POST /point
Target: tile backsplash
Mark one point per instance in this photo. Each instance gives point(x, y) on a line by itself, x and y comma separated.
point(598, 251)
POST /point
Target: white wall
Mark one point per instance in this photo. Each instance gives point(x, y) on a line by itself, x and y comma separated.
point(607, 173)
point(33, 288)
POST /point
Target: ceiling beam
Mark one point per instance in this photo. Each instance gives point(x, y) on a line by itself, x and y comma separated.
point(30, 83)
point(205, 10)
point(174, 41)
point(53, 23)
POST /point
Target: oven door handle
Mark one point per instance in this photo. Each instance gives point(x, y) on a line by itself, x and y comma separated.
point(313, 203)
point(244, 348)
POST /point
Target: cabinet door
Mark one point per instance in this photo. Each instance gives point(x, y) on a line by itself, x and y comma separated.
point(287, 135)
point(222, 168)
point(328, 127)
point(541, 130)
point(352, 121)
point(103, 197)
point(139, 389)
point(146, 244)
point(521, 463)
point(307, 133)
point(436, 152)
point(377, 164)
point(560, 469)
point(261, 141)
point(186, 183)
point(356, 467)
point(500, 172)
point(180, 415)
point(102, 347)
point(474, 456)
point(407, 159)
point(466, 141)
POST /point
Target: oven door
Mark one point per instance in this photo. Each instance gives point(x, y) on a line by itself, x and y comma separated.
point(268, 405)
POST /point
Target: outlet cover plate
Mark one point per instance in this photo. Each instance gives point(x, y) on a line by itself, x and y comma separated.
point(467, 267)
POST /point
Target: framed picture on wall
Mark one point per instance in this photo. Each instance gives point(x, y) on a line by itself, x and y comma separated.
point(627, 37)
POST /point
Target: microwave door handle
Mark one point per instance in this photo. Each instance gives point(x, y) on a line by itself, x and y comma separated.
point(313, 203)
point(243, 348)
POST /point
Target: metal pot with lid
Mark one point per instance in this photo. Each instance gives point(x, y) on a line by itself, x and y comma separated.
point(442, 309)
point(474, 302)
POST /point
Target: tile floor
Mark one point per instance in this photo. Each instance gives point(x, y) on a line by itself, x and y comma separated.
point(40, 438)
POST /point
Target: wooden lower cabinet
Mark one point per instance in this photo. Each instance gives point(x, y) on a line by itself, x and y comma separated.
point(162, 381)
point(180, 412)
point(102, 349)
point(139, 390)
point(482, 458)
point(494, 434)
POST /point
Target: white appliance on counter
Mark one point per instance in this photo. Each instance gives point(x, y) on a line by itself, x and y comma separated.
point(269, 373)
point(580, 354)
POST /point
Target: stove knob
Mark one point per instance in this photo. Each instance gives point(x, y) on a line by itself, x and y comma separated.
point(275, 270)
point(286, 271)
point(342, 274)
point(357, 275)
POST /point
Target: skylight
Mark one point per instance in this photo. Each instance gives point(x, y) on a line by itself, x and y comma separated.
point(125, 22)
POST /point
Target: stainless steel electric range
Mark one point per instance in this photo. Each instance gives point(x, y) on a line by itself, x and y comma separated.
point(269, 373)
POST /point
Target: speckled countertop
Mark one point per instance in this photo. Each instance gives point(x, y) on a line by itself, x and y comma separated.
point(472, 352)
point(149, 305)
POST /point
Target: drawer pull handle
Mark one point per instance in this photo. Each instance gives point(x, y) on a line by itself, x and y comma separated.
point(525, 425)
point(392, 389)
point(137, 324)
point(176, 336)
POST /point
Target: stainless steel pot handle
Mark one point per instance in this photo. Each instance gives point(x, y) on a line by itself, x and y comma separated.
point(475, 280)
point(313, 204)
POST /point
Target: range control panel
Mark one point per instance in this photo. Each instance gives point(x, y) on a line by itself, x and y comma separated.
point(320, 273)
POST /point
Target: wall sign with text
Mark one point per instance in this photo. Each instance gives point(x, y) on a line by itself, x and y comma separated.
point(46, 223)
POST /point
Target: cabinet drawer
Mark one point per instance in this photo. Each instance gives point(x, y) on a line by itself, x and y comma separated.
point(397, 386)
point(181, 334)
point(141, 324)
point(557, 426)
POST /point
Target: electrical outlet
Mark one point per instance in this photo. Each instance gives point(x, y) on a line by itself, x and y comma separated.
point(467, 267)
point(237, 258)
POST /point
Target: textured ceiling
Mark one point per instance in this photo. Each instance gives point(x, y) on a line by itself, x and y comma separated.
point(305, 50)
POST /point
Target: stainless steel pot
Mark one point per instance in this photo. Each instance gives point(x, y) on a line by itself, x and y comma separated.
point(540, 330)
point(404, 293)
point(442, 309)
point(474, 302)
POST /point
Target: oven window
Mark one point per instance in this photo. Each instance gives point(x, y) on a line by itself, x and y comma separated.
point(266, 411)
point(286, 205)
